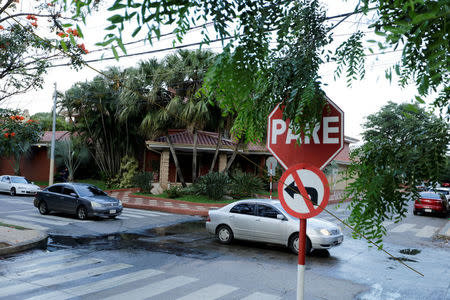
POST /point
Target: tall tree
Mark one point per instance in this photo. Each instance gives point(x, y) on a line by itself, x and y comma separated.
point(24, 55)
point(71, 153)
point(17, 136)
point(403, 147)
point(420, 27)
point(94, 106)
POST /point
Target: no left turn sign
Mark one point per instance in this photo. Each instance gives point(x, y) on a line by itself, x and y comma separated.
point(303, 191)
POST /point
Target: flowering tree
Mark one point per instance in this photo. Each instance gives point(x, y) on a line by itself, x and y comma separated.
point(17, 136)
point(25, 54)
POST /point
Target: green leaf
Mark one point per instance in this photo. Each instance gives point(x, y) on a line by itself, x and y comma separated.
point(115, 19)
point(79, 31)
point(66, 25)
point(116, 55)
point(419, 99)
point(111, 27)
point(122, 47)
point(117, 6)
point(63, 45)
point(136, 31)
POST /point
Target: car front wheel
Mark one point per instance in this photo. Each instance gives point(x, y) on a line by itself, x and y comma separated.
point(12, 192)
point(293, 244)
point(43, 209)
point(82, 213)
point(224, 234)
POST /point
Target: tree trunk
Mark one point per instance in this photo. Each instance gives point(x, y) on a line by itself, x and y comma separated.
point(175, 160)
point(216, 153)
point(233, 156)
point(194, 157)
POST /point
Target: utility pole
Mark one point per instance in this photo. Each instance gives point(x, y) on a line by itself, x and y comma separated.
point(52, 153)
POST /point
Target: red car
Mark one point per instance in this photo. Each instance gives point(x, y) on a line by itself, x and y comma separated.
point(431, 202)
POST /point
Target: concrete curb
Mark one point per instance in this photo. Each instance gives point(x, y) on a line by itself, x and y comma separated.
point(174, 210)
point(40, 241)
point(444, 232)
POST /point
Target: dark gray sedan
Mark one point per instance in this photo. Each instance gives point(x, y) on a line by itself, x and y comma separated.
point(84, 200)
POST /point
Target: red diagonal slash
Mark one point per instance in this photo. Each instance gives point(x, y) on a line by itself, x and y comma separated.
point(302, 191)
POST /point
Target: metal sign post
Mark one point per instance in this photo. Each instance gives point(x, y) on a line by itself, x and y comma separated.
point(304, 192)
point(271, 164)
point(301, 260)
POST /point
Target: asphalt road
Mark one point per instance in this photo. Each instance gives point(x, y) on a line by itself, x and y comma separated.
point(144, 258)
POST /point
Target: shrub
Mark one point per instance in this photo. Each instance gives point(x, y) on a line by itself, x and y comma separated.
point(213, 185)
point(143, 180)
point(244, 184)
point(174, 192)
point(128, 169)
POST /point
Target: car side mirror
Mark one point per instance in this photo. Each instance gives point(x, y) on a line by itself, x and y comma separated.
point(74, 195)
point(281, 217)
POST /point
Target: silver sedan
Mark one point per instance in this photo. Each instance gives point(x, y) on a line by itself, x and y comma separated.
point(265, 220)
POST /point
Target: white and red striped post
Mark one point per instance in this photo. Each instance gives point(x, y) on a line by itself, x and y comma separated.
point(270, 186)
point(301, 260)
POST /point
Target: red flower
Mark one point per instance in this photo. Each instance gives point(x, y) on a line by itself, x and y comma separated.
point(1, 27)
point(34, 24)
point(21, 118)
point(6, 135)
point(12, 117)
point(82, 47)
point(50, 4)
point(12, 134)
point(62, 34)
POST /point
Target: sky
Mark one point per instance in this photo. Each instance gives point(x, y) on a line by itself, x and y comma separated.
point(363, 98)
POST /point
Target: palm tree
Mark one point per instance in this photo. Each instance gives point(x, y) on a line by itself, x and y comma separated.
point(95, 104)
point(71, 153)
point(167, 95)
point(187, 71)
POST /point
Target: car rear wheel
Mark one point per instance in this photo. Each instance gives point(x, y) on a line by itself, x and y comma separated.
point(293, 244)
point(12, 192)
point(43, 209)
point(82, 213)
point(224, 234)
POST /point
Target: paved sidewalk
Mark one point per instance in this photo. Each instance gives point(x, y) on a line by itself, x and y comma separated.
point(162, 204)
point(14, 240)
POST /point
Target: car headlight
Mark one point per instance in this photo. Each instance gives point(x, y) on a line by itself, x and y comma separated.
point(95, 204)
point(325, 231)
point(120, 203)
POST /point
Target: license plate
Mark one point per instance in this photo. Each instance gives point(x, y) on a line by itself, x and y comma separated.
point(112, 211)
point(428, 210)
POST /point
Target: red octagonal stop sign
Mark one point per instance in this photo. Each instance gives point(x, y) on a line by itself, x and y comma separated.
point(319, 148)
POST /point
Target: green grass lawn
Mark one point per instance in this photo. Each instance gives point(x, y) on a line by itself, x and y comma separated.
point(13, 226)
point(267, 193)
point(189, 198)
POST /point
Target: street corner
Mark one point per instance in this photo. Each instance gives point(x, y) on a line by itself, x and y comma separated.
point(444, 232)
point(14, 239)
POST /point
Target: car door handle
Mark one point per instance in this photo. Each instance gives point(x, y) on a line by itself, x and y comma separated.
point(258, 220)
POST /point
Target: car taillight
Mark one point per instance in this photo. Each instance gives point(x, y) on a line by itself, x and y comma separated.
point(208, 219)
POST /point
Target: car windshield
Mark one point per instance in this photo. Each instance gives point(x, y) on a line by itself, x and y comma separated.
point(18, 180)
point(445, 192)
point(430, 196)
point(89, 191)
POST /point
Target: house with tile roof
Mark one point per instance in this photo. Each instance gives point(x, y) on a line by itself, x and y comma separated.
point(251, 158)
point(36, 165)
